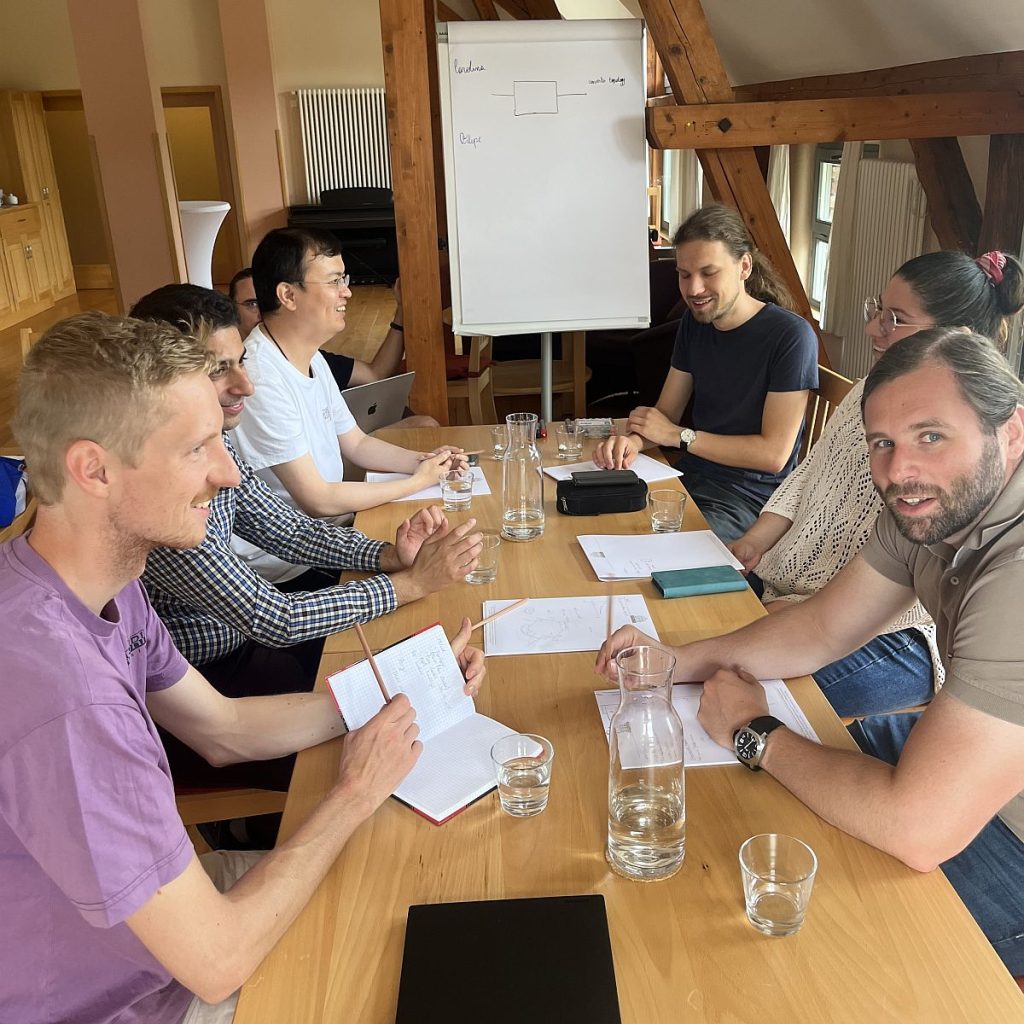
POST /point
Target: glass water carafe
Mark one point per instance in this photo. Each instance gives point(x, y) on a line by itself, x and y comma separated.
point(646, 781)
point(522, 480)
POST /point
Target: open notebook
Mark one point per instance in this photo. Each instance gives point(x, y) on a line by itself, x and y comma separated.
point(455, 767)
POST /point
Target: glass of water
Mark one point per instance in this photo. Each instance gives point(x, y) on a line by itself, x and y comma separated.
point(499, 442)
point(486, 570)
point(666, 510)
point(456, 490)
point(778, 874)
point(523, 766)
point(569, 438)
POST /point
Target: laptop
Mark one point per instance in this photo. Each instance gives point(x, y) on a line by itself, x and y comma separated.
point(379, 403)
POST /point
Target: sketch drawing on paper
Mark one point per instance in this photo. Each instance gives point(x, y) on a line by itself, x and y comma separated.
point(535, 97)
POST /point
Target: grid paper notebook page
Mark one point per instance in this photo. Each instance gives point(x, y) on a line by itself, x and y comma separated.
point(698, 747)
point(455, 766)
point(559, 625)
point(646, 468)
point(635, 556)
point(480, 485)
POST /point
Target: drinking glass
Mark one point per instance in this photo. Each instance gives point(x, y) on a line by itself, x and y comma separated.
point(778, 874)
point(499, 442)
point(666, 510)
point(523, 766)
point(486, 570)
point(569, 438)
point(456, 490)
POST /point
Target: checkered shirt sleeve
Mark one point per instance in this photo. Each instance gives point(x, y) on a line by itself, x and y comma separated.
point(211, 601)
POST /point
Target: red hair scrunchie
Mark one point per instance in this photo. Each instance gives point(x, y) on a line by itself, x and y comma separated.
point(992, 264)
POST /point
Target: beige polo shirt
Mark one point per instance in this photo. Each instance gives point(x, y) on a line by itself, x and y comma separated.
point(974, 593)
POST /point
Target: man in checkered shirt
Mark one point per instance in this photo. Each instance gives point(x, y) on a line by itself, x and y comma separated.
point(246, 635)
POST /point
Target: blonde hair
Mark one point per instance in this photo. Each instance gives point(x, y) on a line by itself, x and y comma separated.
point(99, 378)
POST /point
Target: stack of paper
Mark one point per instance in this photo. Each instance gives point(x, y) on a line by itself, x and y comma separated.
point(698, 747)
point(433, 493)
point(645, 467)
point(455, 766)
point(632, 557)
point(558, 625)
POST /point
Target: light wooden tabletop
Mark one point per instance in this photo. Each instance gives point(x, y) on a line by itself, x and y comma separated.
point(881, 942)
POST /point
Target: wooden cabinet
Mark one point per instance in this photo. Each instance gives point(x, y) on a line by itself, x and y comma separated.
point(27, 277)
point(26, 169)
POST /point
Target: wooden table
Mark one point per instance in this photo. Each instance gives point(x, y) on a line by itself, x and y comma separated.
point(881, 942)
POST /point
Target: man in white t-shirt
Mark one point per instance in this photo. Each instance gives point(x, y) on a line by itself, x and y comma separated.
point(296, 431)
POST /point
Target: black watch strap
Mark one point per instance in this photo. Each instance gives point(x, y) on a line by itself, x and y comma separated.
point(765, 724)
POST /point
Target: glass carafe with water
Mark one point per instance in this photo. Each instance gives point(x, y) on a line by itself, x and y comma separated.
point(522, 480)
point(646, 780)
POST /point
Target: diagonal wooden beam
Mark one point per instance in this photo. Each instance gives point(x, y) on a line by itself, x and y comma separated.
point(952, 205)
point(995, 72)
point(486, 10)
point(1003, 223)
point(792, 122)
point(517, 8)
point(546, 10)
point(445, 13)
point(695, 70)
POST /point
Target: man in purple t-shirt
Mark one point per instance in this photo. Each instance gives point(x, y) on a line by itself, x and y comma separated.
point(106, 914)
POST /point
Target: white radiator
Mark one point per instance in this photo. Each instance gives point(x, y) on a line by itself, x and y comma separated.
point(888, 230)
point(344, 139)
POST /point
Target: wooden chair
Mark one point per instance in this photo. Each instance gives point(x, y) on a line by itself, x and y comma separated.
point(832, 389)
point(222, 803)
point(478, 388)
point(569, 376)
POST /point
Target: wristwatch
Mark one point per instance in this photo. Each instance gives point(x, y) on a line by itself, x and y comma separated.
point(749, 742)
point(686, 437)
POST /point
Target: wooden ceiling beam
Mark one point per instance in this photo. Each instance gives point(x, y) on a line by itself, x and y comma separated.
point(544, 10)
point(952, 204)
point(696, 73)
point(1003, 223)
point(791, 122)
point(987, 72)
point(486, 10)
point(517, 8)
point(445, 13)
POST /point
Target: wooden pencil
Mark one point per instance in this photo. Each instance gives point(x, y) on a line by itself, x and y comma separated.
point(498, 614)
point(373, 663)
point(608, 624)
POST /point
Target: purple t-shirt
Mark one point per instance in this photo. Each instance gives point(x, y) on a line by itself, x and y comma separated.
point(88, 825)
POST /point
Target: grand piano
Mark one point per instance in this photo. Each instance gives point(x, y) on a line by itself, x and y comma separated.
point(363, 221)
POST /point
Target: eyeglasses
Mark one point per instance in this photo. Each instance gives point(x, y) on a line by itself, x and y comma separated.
point(342, 280)
point(887, 322)
point(248, 303)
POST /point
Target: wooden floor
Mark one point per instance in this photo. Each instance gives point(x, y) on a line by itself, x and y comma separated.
point(370, 310)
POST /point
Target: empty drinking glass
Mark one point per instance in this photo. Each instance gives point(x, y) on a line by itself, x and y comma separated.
point(778, 874)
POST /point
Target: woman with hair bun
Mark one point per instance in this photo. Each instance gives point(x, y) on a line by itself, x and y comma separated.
point(824, 512)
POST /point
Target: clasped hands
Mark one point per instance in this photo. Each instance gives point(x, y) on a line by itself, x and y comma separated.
point(645, 423)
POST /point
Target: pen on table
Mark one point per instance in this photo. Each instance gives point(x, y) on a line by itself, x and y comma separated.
point(542, 429)
point(608, 625)
point(498, 614)
point(373, 664)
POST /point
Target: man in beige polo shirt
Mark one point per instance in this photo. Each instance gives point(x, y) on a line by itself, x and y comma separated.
point(945, 431)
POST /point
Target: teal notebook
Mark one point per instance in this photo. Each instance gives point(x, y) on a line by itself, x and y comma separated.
point(712, 579)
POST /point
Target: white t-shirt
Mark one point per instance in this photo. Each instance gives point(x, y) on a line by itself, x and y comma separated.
point(288, 415)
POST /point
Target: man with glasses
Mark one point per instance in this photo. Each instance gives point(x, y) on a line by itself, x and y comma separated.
point(296, 431)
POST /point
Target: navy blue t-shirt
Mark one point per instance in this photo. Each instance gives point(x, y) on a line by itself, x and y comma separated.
point(733, 371)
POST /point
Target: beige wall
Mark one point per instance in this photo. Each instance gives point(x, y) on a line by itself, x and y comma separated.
point(36, 51)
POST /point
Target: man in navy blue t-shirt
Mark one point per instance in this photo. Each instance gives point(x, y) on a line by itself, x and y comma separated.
point(748, 364)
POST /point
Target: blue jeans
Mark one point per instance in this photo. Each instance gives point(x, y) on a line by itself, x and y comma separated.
point(728, 512)
point(988, 874)
point(889, 673)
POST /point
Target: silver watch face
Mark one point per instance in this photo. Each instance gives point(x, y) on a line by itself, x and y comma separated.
point(687, 436)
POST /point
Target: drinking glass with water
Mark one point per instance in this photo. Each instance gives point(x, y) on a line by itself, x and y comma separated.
point(456, 490)
point(523, 766)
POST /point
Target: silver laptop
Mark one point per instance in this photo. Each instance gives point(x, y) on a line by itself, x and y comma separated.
point(380, 403)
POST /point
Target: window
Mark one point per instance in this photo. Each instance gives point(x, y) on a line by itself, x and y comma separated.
point(826, 180)
point(827, 159)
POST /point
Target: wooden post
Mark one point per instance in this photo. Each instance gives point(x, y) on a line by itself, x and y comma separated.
point(1003, 223)
point(952, 205)
point(407, 31)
